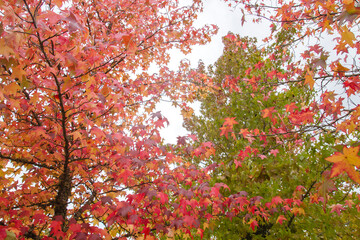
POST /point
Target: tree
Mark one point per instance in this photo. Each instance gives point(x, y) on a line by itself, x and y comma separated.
point(80, 148)
point(258, 149)
point(330, 117)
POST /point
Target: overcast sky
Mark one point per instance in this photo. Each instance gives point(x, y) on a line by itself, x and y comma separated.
point(227, 19)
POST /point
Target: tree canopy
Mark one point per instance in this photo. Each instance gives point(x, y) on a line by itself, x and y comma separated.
point(253, 157)
point(80, 150)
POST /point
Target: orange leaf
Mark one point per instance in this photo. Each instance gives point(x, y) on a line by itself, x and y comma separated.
point(230, 121)
point(345, 162)
point(267, 112)
point(349, 155)
point(348, 2)
point(340, 69)
point(350, 7)
point(297, 211)
point(309, 79)
point(12, 88)
point(280, 219)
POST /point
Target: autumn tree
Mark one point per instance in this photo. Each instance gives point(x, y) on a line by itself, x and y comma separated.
point(329, 118)
point(80, 147)
point(261, 152)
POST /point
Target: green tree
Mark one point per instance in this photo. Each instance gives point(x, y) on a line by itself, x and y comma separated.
point(259, 150)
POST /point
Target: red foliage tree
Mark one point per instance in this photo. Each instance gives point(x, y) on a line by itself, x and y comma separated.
point(78, 155)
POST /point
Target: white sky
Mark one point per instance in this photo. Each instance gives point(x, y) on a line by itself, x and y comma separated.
point(227, 19)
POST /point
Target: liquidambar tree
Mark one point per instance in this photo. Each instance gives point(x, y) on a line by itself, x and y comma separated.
point(79, 149)
point(330, 118)
point(260, 152)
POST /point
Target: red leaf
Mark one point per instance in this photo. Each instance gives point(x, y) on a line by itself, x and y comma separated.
point(163, 197)
point(253, 224)
point(276, 201)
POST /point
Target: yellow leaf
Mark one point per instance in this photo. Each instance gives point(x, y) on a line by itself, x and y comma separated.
point(351, 155)
point(347, 36)
point(187, 113)
point(10, 235)
point(205, 225)
point(298, 211)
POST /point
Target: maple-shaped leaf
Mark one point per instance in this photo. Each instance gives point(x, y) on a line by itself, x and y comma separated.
point(309, 79)
point(326, 185)
point(267, 112)
point(55, 228)
point(340, 69)
point(124, 211)
point(290, 107)
point(75, 228)
point(237, 163)
point(228, 127)
point(276, 201)
point(347, 36)
point(163, 197)
point(73, 23)
point(349, 203)
point(230, 121)
point(280, 219)
point(298, 211)
point(274, 152)
point(350, 7)
point(191, 220)
point(337, 208)
point(320, 62)
point(253, 223)
point(345, 162)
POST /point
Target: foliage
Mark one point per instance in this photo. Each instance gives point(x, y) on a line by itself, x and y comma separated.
point(80, 151)
point(81, 154)
point(332, 71)
point(259, 150)
point(325, 123)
